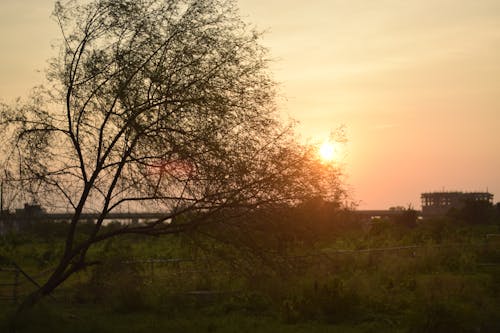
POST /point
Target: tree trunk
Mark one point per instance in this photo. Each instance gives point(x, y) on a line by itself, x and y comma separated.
point(36, 296)
point(32, 299)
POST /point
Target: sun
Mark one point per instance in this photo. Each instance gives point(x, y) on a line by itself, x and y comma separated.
point(327, 151)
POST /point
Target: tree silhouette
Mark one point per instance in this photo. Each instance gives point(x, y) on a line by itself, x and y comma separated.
point(162, 105)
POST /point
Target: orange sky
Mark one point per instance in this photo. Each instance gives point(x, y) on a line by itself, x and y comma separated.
point(415, 82)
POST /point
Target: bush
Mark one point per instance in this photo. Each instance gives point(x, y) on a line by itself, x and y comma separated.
point(115, 281)
point(331, 302)
point(453, 303)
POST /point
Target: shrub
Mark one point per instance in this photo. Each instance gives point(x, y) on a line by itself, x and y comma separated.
point(115, 281)
point(453, 303)
point(331, 302)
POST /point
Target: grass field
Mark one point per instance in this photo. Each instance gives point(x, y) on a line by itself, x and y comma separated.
point(435, 277)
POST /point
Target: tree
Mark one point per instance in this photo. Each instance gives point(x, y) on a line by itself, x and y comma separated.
point(160, 105)
point(474, 212)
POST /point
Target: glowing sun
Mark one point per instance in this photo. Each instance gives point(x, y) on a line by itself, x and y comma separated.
point(327, 151)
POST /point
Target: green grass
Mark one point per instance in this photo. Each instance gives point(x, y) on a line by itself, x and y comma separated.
point(439, 286)
point(85, 318)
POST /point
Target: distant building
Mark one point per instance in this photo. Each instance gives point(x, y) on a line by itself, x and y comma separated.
point(20, 219)
point(439, 203)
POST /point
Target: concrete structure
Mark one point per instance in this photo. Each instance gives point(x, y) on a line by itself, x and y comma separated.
point(30, 214)
point(439, 203)
point(381, 213)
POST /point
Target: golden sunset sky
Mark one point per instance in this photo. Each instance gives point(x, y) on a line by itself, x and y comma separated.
point(415, 82)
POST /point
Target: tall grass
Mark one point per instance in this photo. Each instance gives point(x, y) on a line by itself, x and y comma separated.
point(354, 279)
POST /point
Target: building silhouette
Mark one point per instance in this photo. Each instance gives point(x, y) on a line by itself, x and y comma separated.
point(439, 203)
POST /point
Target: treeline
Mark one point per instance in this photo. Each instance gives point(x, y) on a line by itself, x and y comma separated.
point(309, 222)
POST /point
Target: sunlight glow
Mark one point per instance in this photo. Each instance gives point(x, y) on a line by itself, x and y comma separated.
point(327, 151)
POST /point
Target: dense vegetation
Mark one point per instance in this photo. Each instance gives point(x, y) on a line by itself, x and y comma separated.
point(314, 268)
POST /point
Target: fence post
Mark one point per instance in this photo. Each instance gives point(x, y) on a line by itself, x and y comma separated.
point(15, 285)
point(152, 271)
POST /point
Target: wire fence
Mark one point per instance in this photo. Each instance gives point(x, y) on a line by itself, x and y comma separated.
point(15, 283)
point(9, 285)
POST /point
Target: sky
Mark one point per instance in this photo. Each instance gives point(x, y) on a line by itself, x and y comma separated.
point(415, 83)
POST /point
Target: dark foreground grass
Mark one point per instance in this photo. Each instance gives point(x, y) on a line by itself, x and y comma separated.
point(84, 318)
